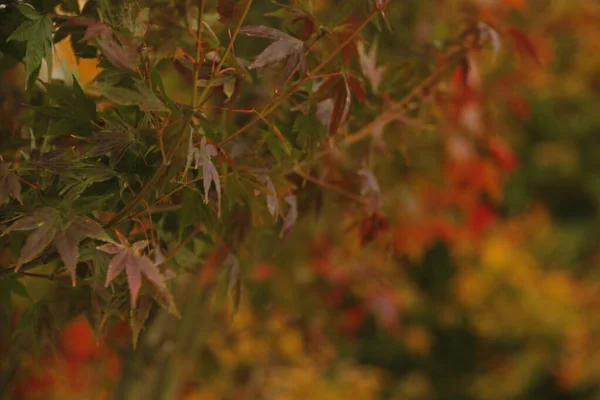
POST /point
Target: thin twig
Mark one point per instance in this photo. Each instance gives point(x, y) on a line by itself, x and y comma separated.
point(275, 103)
point(330, 186)
point(198, 59)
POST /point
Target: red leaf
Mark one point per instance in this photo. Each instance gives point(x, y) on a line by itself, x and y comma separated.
point(77, 340)
point(341, 106)
point(503, 153)
point(350, 51)
point(352, 320)
point(357, 88)
point(262, 272)
point(225, 11)
point(523, 44)
point(481, 218)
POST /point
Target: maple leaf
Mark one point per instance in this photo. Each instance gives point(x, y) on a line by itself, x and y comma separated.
point(489, 33)
point(36, 32)
point(334, 99)
point(291, 216)
point(63, 232)
point(9, 185)
point(114, 142)
point(368, 65)
point(231, 13)
point(272, 203)
point(138, 317)
point(370, 187)
point(523, 44)
point(121, 55)
point(284, 47)
point(235, 282)
point(130, 259)
point(202, 157)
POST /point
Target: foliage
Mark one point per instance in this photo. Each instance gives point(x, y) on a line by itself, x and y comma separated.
point(345, 199)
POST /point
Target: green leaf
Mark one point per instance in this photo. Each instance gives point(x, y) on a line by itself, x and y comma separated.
point(152, 102)
point(309, 132)
point(165, 299)
point(38, 37)
point(23, 32)
point(12, 285)
point(138, 317)
point(85, 205)
point(18, 288)
point(28, 11)
point(193, 209)
point(144, 98)
point(85, 106)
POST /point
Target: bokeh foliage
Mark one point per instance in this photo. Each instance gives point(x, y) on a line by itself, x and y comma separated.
point(442, 167)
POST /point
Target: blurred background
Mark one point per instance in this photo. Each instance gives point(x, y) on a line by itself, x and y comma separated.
point(479, 280)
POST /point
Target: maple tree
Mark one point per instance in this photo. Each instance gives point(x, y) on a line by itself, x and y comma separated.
point(309, 199)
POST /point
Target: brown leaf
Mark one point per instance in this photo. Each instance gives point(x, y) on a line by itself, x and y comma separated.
point(64, 233)
point(28, 222)
point(326, 90)
point(114, 142)
point(284, 47)
point(150, 271)
point(67, 246)
point(231, 13)
point(265, 32)
point(276, 52)
point(225, 11)
point(9, 185)
point(121, 55)
point(85, 227)
point(36, 243)
point(116, 265)
point(109, 248)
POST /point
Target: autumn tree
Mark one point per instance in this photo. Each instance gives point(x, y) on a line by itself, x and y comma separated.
point(255, 189)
